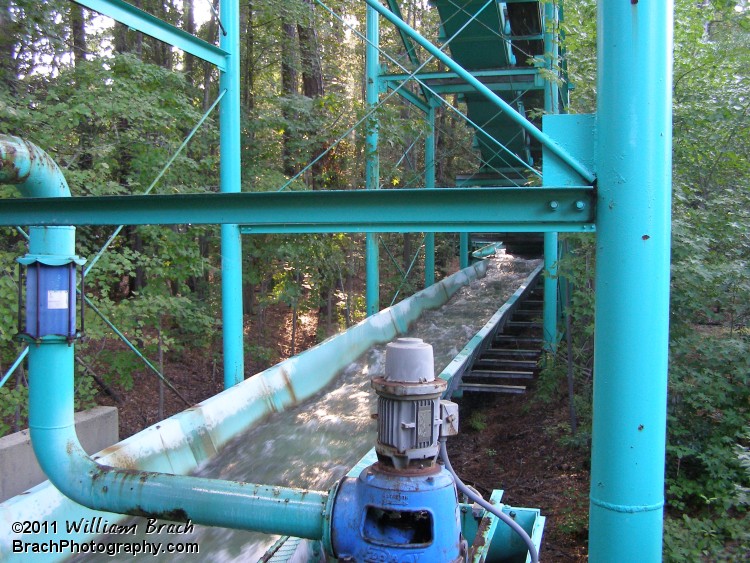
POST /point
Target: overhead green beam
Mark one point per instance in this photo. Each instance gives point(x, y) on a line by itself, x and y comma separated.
point(480, 74)
point(569, 209)
point(461, 87)
point(144, 22)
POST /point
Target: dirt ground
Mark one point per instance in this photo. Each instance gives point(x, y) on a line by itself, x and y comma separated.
point(517, 450)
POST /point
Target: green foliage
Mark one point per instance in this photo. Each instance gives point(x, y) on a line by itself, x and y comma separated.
point(477, 421)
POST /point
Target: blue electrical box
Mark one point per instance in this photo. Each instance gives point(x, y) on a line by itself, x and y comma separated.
point(50, 301)
point(50, 298)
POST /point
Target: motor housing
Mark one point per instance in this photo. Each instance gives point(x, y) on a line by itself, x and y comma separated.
point(404, 508)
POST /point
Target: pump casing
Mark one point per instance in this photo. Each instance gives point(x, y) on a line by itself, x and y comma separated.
point(404, 508)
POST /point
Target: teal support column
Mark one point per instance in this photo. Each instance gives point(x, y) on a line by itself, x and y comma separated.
point(551, 55)
point(429, 183)
point(231, 244)
point(633, 165)
point(463, 250)
point(550, 292)
point(372, 160)
point(551, 105)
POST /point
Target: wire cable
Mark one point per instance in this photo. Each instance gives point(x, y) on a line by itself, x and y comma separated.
point(461, 486)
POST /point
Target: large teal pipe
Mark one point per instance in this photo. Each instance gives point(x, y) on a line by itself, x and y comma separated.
point(372, 159)
point(273, 510)
point(31, 169)
point(429, 183)
point(231, 242)
point(276, 510)
point(511, 113)
point(634, 156)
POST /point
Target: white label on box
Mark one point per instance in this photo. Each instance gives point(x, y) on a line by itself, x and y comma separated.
point(57, 299)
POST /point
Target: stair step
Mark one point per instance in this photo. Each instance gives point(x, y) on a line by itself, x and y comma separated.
point(482, 362)
point(505, 338)
point(526, 313)
point(500, 374)
point(523, 324)
point(491, 388)
point(505, 352)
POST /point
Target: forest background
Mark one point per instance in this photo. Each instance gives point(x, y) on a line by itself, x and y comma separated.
point(112, 106)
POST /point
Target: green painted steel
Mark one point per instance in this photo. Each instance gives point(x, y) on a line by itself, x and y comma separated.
point(146, 23)
point(372, 159)
point(634, 155)
point(549, 315)
point(514, 82)
point(463, 249)
point(231, 182)
point(413, 210)
point(513, 115)
point(551, 106)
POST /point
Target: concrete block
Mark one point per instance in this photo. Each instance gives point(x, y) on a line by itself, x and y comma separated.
point(97, 428)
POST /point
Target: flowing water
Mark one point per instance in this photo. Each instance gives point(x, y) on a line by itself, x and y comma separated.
point(315, 443)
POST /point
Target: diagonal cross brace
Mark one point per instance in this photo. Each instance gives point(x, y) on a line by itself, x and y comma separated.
point(512, 114)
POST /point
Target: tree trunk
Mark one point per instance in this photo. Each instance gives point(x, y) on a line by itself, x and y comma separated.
point(248, 97)
point(8, 33)
point(312, 81)
point(310, 55)
point(128, 42)
point(208, 68)
point(190, 28)
point(78, 33)
point(288, 90)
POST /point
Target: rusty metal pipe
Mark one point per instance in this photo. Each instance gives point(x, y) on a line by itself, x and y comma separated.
point(31, 169)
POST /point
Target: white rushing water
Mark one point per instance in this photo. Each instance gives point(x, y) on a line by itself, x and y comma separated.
point(315, 443)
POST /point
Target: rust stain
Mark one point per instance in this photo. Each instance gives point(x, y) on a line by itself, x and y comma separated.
point(175, 514)
point(289, 386)
point(480, 540)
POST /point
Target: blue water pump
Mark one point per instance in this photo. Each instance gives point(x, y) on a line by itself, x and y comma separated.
point(404, 508)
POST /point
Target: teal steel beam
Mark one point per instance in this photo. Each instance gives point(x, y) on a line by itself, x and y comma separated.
point(634, 164)
point(463, 249)
point(511, 113)
point(372, 158)
point(461, 87)
point(409, 97)
point(231, 182)
point(509, 74)
point(415, 210)
point(429, 183)
point(549, 315)
point(551, 105)
point(144, 22)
